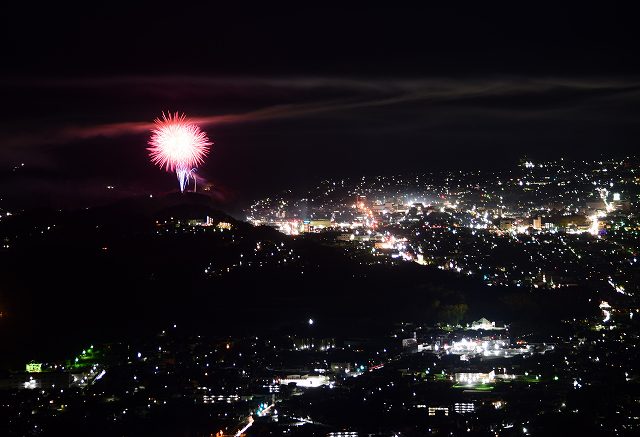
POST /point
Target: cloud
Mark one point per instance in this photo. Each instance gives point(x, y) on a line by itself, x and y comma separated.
point(267, 99)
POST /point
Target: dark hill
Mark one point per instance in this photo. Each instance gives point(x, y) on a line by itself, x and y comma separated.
point(119, 271)
point(114, 271)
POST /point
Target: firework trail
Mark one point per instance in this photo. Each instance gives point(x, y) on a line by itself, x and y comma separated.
point(177, 144)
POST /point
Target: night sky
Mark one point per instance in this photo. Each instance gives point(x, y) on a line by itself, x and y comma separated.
point(291, 97)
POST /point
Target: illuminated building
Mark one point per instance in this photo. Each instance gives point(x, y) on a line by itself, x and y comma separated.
point(506, 224)
point(410, 344)
point(33, 367)
point(305, 380)
point(464, 407)
point(222, 225)
point(438, 411)
point(341, 367)
point(474, 378)
point(537, 223)
point(42, 380)
point(316, 225)
point(384, 208)
point(319, 344)
point(485, 324)
point(210, 399)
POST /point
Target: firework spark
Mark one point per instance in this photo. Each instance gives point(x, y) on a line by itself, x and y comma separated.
point(177, 144)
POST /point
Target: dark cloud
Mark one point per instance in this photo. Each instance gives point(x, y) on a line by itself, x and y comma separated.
point(267, 99)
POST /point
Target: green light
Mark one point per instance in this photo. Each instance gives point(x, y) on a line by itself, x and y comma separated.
point(34, 367)
point(478, 387)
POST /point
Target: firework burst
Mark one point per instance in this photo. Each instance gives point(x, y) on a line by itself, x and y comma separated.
point(178, 145)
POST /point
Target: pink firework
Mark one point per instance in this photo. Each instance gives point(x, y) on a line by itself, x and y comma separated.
point(177, 144)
